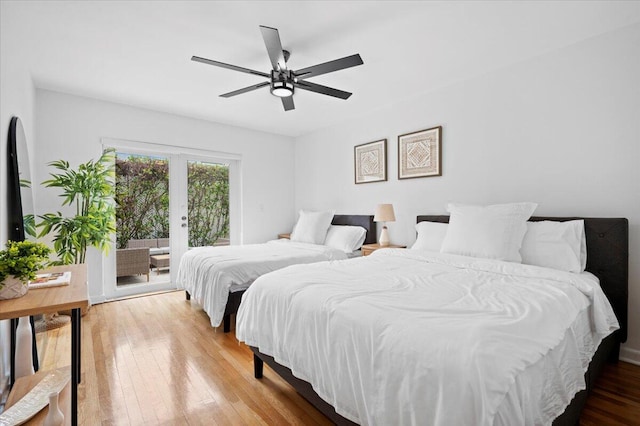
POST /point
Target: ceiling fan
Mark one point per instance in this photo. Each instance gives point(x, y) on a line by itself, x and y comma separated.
point(282, 80)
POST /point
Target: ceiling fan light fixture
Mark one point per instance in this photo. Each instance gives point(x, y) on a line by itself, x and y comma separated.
point(282, 89)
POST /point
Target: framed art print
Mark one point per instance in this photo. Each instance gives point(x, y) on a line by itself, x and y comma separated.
point(371, 162)
point(420, 154)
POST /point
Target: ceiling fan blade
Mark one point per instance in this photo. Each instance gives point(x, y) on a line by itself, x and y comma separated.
point(287, 103)
point(228, 66)
point(244, 90)
point(274, 47)
point(318, 88)
point(331, 66)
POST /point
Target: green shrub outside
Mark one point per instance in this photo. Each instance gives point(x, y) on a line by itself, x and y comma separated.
point(142, 200)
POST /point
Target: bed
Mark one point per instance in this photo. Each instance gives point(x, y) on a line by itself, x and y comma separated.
point(338, 325)
point(217, 277)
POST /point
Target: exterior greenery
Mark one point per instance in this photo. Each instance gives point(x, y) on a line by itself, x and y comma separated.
point(208, 203)
point(90, 190)
point(22, 260)
point(142, 200)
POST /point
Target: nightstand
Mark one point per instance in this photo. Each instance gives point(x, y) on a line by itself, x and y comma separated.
point(286, 236)
point(367, 249)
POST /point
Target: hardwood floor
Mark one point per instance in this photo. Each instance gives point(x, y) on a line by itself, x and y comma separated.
point(616, 398)
point(157, 361)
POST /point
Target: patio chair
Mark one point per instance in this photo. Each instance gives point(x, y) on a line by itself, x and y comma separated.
point(132, 261)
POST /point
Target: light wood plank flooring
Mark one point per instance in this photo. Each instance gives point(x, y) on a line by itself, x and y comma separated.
point(157, 361)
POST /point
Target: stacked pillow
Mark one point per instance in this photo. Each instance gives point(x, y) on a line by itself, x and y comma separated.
point(430, 236)
point(345, 237)
point(557, 245)
point(315, 228)
point(491, 232)
point(312, 227)
point(502, 232)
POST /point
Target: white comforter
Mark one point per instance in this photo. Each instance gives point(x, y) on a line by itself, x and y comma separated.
point(409, 337)
point(208, 273)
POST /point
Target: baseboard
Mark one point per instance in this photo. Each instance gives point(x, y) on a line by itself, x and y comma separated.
point(95, 300)
point(630, 355)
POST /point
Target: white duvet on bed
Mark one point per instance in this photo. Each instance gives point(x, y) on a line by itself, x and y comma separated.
point(409, 337)
point(209, 273)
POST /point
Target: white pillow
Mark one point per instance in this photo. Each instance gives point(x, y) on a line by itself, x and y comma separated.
point(491, 232)
point(346, 238)
point(312, 226)
point(430, 236)
point(557, 245)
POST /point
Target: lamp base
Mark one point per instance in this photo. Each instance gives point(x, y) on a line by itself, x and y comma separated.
point(384, 237)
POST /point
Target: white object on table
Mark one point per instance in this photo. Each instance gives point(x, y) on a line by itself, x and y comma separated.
point(24, 355)
point(36, 399)
point(54, 415)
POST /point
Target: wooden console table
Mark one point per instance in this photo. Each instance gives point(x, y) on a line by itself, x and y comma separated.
point(50, 300)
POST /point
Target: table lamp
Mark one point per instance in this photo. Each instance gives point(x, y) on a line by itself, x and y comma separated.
point(384, 213)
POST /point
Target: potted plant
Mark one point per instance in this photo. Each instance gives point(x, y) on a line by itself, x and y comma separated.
point(90, 188)
point(18, 264)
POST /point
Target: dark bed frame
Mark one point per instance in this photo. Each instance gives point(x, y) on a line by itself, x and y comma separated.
point(607, 258)
point(366, 221)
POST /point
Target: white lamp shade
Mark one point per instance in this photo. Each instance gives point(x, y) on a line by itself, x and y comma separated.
point(384, 213)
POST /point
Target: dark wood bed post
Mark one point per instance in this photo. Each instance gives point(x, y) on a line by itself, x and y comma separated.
point(187, 295)
point(258, 366)
point(226, 327)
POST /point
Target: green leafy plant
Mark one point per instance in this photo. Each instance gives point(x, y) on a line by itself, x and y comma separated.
point(208, 198)
point(22, 259)
point(90, 189)
point(142, 200)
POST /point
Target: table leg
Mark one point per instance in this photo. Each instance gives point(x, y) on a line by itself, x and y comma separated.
point(34, 346)
point(14, 325)
point(79, 346)
point(75, 363)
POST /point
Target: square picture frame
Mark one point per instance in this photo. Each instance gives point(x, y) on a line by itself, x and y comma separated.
point(420, 153)
point(370, 162)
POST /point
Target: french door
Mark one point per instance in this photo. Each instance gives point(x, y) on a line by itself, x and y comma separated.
point(201, 204)
point(167, 202)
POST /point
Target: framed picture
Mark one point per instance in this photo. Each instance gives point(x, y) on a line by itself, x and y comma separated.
point(420, 154)
point(371, 162)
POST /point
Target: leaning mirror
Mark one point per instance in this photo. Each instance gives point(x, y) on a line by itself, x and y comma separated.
point(21, 209)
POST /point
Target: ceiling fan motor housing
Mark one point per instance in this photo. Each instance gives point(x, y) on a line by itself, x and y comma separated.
point(282, 83)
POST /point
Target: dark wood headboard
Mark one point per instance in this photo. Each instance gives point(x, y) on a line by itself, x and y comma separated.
point(366, 221)
point(607, 258)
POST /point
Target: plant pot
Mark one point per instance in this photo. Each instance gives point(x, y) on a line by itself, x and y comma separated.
point(12, 288)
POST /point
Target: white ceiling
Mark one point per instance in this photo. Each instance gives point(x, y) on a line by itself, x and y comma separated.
point(138, 53)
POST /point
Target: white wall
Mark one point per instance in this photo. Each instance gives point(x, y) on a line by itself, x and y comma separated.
point(71, 127)
point(17, 96)
point(562, 130)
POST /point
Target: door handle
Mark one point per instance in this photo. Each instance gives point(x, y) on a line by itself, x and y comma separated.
point(184, 225)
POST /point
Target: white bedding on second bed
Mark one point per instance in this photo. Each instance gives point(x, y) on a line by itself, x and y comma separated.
point(209, 273)
point(411, 337)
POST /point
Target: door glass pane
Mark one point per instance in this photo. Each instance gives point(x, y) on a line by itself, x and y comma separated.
point(142, 219)
point(208, 203)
